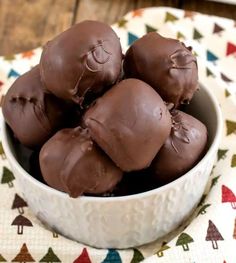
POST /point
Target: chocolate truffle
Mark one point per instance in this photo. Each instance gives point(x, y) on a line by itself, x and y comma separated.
point(165, 64)
point(130, 122)
point(32, 114)
point(84, 59)
point(182, 150)
point(72, 163)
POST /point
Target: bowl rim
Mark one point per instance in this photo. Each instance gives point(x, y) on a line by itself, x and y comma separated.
point(44, 187)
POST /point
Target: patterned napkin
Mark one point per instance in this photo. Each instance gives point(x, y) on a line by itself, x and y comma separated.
point(209, 236)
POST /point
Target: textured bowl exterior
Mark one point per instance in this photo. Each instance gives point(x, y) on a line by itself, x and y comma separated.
point(117, 222)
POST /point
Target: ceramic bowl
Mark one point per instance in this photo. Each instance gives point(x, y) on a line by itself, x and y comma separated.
point(122, 222)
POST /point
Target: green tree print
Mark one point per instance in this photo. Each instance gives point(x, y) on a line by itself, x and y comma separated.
point(202, 211)
point(2, 259)
point(137, 257)
point(2, 153)
point(209, 73)
point(122, 23)
point(221, 154)
point(231, 127)
point(196, 34)
point(214, 181)
point(233, 161)
point(227, 94)
point(183, 240)
point(150, 29)
point(50, 257)
point(162, 249)
point(180, 35)
point(170, 17)
point(7, 177)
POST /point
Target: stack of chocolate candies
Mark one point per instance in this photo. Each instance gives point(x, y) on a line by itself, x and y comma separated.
point(100, 127)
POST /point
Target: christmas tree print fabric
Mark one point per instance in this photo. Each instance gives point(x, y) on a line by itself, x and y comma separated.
point(210, 234)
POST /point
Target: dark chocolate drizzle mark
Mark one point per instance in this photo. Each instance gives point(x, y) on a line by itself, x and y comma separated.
point(90, 53)
point(178, 131)
point(95, 56)
point(88, 67)
point(176, 63)
point(68, 165)
point(112, 135)
point(161, 113)
point(173, 145)
point(39, 110)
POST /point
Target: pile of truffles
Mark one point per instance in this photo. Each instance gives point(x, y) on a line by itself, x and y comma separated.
point(104, 123)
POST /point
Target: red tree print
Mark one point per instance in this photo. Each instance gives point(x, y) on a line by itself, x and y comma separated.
point(83, 257)
point(228, 196)
point(213, 234)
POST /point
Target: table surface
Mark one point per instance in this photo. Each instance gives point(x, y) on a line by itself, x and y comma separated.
point(26, 24)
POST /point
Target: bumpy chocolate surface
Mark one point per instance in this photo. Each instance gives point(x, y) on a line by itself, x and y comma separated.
point(130, 122)
point(182, 150)
point(165, 64)
point(84, 59)
point(32, 114)
point(72, 163)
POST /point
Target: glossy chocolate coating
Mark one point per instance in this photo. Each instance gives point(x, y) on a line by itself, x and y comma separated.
point(130, 122)
point(86, 58)
point(32, 114)
point(72, 163)
point(182, 150)
point(165, 64)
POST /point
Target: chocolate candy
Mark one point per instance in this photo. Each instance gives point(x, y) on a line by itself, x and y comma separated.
point(72, 163)
point(130, 122)
point(182, 150)
point(165, 64)
point(128, 128)
point(32, 114)
point(85, 59)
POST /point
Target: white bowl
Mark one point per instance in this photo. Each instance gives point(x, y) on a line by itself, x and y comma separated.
point(122, 222)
